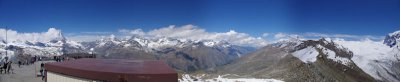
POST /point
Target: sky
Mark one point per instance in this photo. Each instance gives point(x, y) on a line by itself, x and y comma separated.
point(255, 18)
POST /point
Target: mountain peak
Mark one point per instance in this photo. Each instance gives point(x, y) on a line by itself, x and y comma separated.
point(392, 39)
point(109, 38)
point(308, 50)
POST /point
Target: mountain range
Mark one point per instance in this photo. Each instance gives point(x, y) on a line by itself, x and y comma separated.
point(322, 60)
point(183, 55)
point(292, 59)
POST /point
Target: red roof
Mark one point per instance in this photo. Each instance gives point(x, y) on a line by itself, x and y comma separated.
point(113, 70)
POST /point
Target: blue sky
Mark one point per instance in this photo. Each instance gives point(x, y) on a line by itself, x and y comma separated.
point(254, 17)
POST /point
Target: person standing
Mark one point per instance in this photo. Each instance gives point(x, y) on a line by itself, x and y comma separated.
point(19, 64)
point(35, 58)
point(2, 68)
point(42, 65)
point(42, 68)
point(5, 67)
point(9, 67)
point(43, 76)
point(42, 71)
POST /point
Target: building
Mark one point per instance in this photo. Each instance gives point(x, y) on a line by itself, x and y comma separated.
point(110, 70)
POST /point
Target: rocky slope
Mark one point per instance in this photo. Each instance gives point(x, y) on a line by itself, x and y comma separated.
point(310, 60)
point(378, 59)
point(184, 55)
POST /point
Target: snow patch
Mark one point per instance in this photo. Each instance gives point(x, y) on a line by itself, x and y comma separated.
point(332, 55)
point(188, 78)
point(209, 43)
point(372, 57)
point(10, 54)
point(308, 54)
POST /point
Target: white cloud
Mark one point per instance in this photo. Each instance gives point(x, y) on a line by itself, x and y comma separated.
point(343, 36)
point(87, 36)
point(280, 35)
point(12, 35)
point(265, 34)
point(312, 34)
point(96, 32)
point(195, 33)
point(133, 32)
point(283, 36)
point(81, 38)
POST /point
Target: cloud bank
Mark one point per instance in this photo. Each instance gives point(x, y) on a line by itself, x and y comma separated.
point(180, 32)
point(12, 35)
point(312, 35)
point(195, 33)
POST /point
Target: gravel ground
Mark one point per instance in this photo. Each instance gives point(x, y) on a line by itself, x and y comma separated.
point(24, 74)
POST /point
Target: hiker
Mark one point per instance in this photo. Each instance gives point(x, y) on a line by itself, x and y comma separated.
point(56, 58)
point(42, 71)
point(42, 65)
point(43, 76)
point(4, 67)
point(1, 69)
point(34, 58)
point(9, 67)
point(19, 64)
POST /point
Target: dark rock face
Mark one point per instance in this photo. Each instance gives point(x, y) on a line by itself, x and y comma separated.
point(201, 57)
point(392, 39)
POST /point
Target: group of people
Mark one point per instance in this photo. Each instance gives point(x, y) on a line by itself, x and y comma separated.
point(59, 58)
point(28, 61)
point(6, 67)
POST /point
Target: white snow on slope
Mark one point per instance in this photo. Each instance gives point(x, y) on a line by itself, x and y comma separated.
point(308, 54)
point(188, 78)
point(159, 42)
point(10, 54)
point(332, 55)
point(394, 33)
point(372, 57)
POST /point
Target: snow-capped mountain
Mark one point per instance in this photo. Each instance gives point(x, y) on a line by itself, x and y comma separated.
point(182, 54)
point(56, 46)
point(323, 60)
point(318, 60)
point(299, 60)
point(392, 39)
point(379, 59)
point(331, 51)
point(152, 43)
